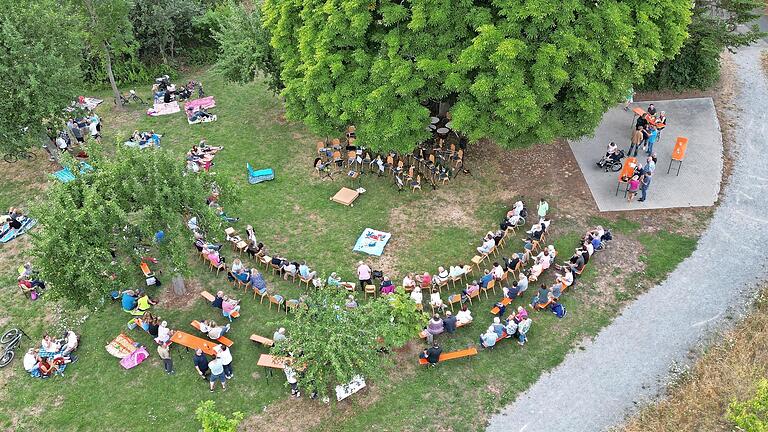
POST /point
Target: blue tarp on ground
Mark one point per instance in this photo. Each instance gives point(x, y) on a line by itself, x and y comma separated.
point(372, 242)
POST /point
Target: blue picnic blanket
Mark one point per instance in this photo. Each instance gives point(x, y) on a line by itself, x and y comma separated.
point(65, 175)
point(11, 234)
point(372, 242)
point(50, 355)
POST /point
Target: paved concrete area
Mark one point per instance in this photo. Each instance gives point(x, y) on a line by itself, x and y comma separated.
point(699, 181)
point(628, 363)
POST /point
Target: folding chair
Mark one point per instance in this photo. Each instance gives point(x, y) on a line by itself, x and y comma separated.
point(416, 184)
point(370, 289)
point(442, 284)
point(302, 280)
point(399, 183)
point(473, 295)
point(291, 304)
point(276, 300)
point(256, 291)
point(491, 286)
point(455, 298)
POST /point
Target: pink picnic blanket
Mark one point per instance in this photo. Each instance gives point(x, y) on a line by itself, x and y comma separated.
point(133, 359)
point(164, 109)
point(204, 103)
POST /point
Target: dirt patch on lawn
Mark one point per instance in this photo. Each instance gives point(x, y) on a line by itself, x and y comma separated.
point(168, 299)
point(615, 267)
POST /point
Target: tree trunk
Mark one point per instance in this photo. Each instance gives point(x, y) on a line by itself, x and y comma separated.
point(179, 288)
point(111, 77)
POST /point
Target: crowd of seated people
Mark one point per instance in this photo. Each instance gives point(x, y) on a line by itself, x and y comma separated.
point(14, 219)
point(29, 281)
point(52, 356)
point(198, 114)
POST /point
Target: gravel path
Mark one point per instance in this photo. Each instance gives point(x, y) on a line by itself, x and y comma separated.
point(629, 362)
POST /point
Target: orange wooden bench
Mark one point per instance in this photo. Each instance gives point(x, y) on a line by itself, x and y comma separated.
point(469, 352)
point(145, 269)
point(222, 340)
point(423, 333)
point(505, 301)
point(262, 340)
point(194, 342)
point(210, 297)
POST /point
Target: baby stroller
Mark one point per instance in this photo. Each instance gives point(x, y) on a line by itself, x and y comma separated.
point(612, 162)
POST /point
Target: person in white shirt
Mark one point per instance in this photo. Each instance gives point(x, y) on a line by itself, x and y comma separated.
point(212, 330)
point(464, 316)
point(456, 271)
point(279, 335)
point(522, 283)
point(408, 282)
point(290, 376)
point(163, 333)
point(435, 300)
point(30, 361)
point(441, 276)
point(567, 278)
point(488, 244)
point(497, 271)
point(70, 344)
point(225, 355)
point(416, 295)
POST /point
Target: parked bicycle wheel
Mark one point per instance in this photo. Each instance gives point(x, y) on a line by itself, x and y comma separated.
point(616, 167)
point(520, 221)
point(10, 335)
point(28, 155)
point(10, 158)
point(138, 99)
point(6, 358)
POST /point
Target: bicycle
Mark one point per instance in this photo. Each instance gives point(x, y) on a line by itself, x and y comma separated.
point(11, 339)
point(130, 97)
point(21, 154)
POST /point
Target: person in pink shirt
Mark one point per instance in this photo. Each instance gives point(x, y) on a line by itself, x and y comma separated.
point(228, 306)
point(363, 274)
point(634, 186)
point(426, 280)
point(521, 314)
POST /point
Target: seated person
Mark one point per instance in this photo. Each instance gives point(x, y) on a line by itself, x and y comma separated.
point(496, 271)
point(351, 303)
point(31, 361)
point(333, 280)
point(432, 354)
point(243, 275)
point(218, 301)
point(556, 290)
point(541, 298)
point(237, 266)
point(527, 245)
point(488, 339)
point(257, 281)
point(408, 282)
point(197, 114)
point(387, 287)
point(289, 269)
point(229, 306)
point(512, 291)
point(441, 276)
point(472, 289)
point(464, 316)
point(511, 263)
point(153, 327)
point(213, 331)
point(498, 327)
point(541, 263)
point(498, 236)
point(416, 295)
point(487, 246)
point(164, 333)
point(522, 283)
point(450, 322)
point(517, 209)
point(129, 300)
point(50, 345)
point(144, 302)
point(521, 314)
point(425, 280)
point(487, 277)
point(71, 342)
point(306, 272)
point(434, 299)
point(511, 326)
point(454, 272)
point(279, 335)
point(435, 326)
point(566, 278)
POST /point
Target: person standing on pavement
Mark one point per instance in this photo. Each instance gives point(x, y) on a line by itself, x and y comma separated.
point(644, 183)
point(652, 137)
point(635, 141)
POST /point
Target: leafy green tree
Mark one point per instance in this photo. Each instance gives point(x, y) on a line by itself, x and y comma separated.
point(712, 30)
point(39, 55)
point(214, 421)
point(116, 210)
point(518, 72)
point(244, 48)
point(163, 27)
point(109, 33)
point(334, 343)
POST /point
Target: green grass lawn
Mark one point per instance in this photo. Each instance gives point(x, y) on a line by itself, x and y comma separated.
point(292, 215)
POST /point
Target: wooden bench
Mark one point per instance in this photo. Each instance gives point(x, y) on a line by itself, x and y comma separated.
point(222, 340)
point(505, 301)
point(423, 333)
point(262, 340)
point(210, 297)
point(469, 352)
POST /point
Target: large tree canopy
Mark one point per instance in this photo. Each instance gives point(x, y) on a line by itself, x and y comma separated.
point(516, 71)
point(39, 54)
point(117, 208)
